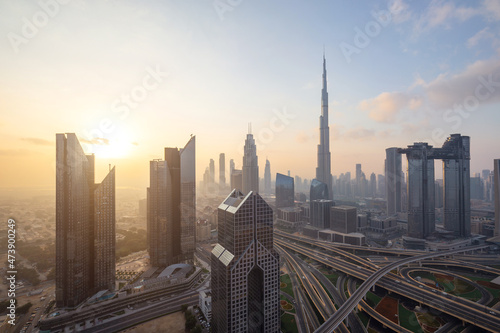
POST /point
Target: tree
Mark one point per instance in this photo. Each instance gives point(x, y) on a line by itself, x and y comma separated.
point(190, 322)
point(197, 329)
point(184, 308)
point(24, 309)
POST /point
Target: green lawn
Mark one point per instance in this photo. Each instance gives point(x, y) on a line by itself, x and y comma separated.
point(408, 320)
point(363, 317)
point(332, 277)
point(372, 299)
point(288, 323)
point(288, 288)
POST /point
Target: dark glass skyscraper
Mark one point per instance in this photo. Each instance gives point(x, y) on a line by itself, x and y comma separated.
point(172, 207)
point(421, 202)
point(245, 267)
point(456, 178)
point(285, 194)
point(323, 171)
point(393, 180)
point(85, 225)
point(319, 206)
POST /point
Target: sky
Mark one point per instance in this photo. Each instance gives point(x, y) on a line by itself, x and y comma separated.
point(132, 77)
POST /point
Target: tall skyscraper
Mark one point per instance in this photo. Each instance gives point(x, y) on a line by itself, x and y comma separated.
point(373, 185)
point(222, 171)
point(85, 225)
point(172, 207)
point(456, 178)
point(285, 193)
point(496, 172)
point(250, 165)
point(212, 170)
point(323, 171)
point(267, 177)
point(393, 180)
point(421, 202)
point(359, 182)
point(231, 167)
point(245, 267)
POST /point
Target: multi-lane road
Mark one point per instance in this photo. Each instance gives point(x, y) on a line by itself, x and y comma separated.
point(463, 309)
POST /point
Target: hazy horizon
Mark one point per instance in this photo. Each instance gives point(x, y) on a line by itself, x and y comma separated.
point(132, 78)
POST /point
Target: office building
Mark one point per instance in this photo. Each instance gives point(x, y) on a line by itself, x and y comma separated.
point(236, 179)
point(393, 180)
point(455, 154)
point(267, 177)
point(231, 167)
point(421, 201)
point(323, 170)
point(222, 171)
point(320, 213)
point(211, 167)
point(85, 225)
point(250, 165)
point(285, 193)
point(343, 219)
point(172, 207)
point(456, 179)
point(245, 267)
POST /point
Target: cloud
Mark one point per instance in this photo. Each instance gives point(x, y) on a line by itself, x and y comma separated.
point(302, 137)
point(492, 9)
point(15, 152)
point(385, 107)
point(360, 133)
point(96, 141)
point(400, 11)
point(480, 35)
point(478, 83)
point(38, 141)
point(445, 91)
point(441, 13)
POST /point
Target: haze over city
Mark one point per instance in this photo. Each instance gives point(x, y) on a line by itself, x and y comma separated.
point(131, 78)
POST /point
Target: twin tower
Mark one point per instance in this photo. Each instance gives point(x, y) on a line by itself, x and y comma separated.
point(455, 154)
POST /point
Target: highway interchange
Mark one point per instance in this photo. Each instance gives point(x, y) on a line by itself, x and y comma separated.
point(340, 258)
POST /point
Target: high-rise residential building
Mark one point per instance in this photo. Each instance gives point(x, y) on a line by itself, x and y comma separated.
point(285, 193)
point(245, 267)
point(393, 180)
point(85, 225)
point(373, 185)
point(359, 182)
point(172, 207)
point(455, 154)
point(343, 219)
point(421, 201)
point(222, 171)
point(237, 179)
point(267, 177)
point(324, 170)
point(381, 186)
point(456, 178)
point(250, 165)
point(319, 204)
point(496, 172)
point(320, 213)
point(211, 167)
point(231, 167)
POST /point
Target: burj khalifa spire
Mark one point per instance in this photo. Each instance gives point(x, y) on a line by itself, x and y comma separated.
point(324, 171)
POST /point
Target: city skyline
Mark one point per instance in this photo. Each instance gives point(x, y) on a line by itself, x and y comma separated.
point(371, 107)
